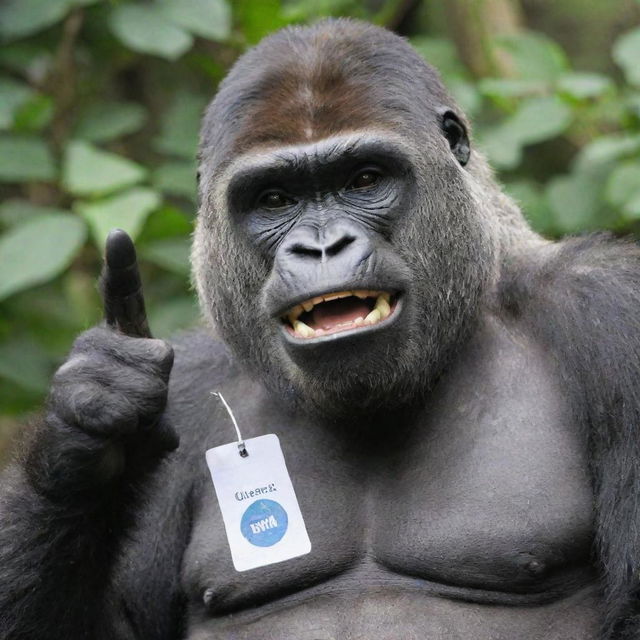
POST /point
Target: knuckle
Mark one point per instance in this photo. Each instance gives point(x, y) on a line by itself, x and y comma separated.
point(92, 406)
point(95, 339)
point(74, 367)
point(161, 352)
point(149, 389)
point(146, 393)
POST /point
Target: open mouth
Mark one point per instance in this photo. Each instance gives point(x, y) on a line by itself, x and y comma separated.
point(337, 312)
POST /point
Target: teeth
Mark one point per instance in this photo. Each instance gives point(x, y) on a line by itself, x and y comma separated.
point(381, 310)
point(303, 329)
point(295, 313)
point(373, 317)
point(382, 306)
point(335, 296)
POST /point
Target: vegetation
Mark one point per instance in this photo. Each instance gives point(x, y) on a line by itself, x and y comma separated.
point(99, 112)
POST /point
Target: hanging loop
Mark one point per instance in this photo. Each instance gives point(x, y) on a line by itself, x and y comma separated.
point(242, 449)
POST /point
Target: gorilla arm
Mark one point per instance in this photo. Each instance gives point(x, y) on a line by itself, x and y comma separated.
point(69, 501)
point(583, 304)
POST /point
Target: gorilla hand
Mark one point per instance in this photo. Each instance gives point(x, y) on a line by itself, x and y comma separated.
point(107, 399)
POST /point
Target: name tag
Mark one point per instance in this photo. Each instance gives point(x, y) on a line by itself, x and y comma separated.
point(260, 511)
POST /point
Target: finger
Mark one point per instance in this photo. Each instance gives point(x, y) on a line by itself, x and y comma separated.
point(121, 287)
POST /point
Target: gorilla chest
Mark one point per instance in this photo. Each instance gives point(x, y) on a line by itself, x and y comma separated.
point(485, 498)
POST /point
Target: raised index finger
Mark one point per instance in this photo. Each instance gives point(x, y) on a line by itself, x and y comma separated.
point(121, 287)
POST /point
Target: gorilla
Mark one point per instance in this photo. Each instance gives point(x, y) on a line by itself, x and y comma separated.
point(457, 398)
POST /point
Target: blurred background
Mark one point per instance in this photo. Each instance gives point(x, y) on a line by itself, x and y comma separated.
point(100, 102)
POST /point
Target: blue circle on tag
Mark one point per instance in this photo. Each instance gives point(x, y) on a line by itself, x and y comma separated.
point(264, 523)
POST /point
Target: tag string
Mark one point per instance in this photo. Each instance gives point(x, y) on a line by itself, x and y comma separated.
point(242, 449)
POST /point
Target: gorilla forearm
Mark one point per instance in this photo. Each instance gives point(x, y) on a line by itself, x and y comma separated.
point(583, 303)
point(54, 561)
point(60, 573)
point(69, 503)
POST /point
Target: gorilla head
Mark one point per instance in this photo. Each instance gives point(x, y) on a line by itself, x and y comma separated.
point(343, 248)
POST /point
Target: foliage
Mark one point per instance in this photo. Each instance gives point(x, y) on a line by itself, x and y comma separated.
point(100, 104)
point(546, 108)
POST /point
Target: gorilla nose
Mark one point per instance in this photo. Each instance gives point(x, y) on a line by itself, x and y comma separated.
point(321, 251)
point(324, 246)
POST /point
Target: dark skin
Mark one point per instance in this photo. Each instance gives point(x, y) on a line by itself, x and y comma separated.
point(467, 462)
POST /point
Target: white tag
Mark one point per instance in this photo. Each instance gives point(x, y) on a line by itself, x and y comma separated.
point(259, 507)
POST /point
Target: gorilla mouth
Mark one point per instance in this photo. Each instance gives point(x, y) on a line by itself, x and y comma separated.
point(337, 312)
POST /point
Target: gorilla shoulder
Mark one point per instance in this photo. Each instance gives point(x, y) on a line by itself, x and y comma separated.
point(592, 280)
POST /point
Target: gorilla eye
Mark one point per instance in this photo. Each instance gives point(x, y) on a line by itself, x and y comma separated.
point(365, 179)
point(274, 199)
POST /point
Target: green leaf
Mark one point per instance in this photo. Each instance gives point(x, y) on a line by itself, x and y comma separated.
point(30, 59)
point(143, 28)
point(631, 209)
point(34, 115)
point(258, 19)
point(90, 171)
point(207, 18)
point(606, 149)
point(626, 53)
point(582, 86)
point(38, 250)
point(623, 184)
point(109, 120)
point(127, 211)
point(26, 364)
point(466, 95)
point(441, 53)
point(501, 146)
point(633, 103)
point(20, 18)
point(24, 159)
point(166, 222)
point(172, 316)
point(539, 119)
point(12, 95)
point(499, 88)
point(177, 179)
point(14, 212)
point(534, 56)
point(533, 202)
point(574, 201)
point(536, 120)
point(171, 254)
point(181, 126)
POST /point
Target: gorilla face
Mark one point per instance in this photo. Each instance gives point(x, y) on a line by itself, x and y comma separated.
point(341, 255)
point(322, 216)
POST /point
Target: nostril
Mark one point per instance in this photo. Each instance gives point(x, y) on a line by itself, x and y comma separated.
point(308, 250)
point(303, 250)
point(339, 245)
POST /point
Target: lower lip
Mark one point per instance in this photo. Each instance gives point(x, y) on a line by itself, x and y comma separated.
point(348, 330)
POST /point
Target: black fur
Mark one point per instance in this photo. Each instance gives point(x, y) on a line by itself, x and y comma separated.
point(581, 299)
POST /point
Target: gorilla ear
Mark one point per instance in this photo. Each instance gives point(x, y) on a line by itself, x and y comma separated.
point(456, 134)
